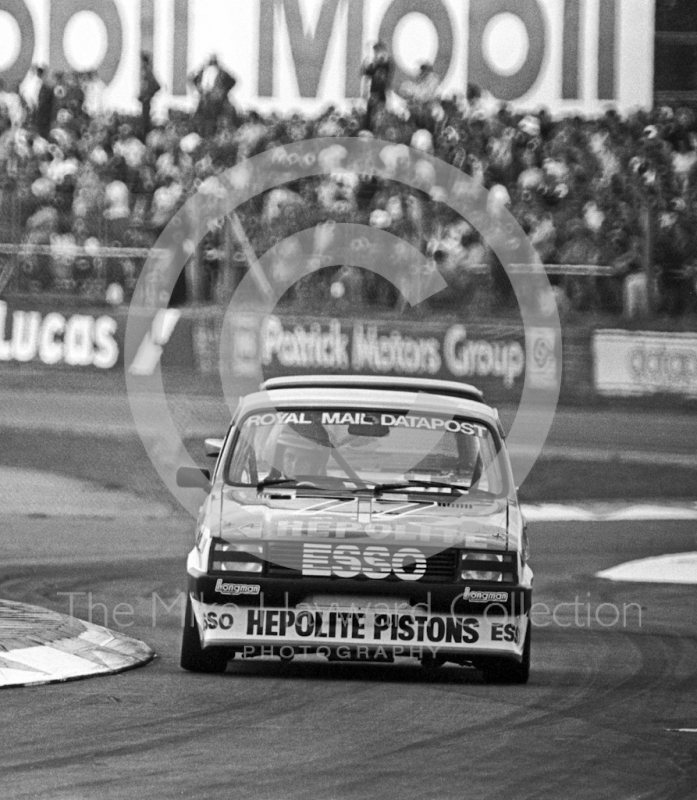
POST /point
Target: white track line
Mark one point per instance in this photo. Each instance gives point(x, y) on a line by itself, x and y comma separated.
point(672, 568)
point(610, 511)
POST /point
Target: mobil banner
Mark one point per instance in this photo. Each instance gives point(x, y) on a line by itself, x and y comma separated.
point(567, 55)
point(495, 357)
point(639, 363)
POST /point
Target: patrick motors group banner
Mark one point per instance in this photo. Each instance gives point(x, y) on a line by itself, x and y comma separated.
point(494, 357)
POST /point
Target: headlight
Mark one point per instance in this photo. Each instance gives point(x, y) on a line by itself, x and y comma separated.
point(493, 567)
point(226, 557)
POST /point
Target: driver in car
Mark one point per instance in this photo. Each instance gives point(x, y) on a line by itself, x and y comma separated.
point(302, 456)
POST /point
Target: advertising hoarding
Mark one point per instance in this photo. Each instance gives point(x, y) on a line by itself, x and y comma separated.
point(61, 335)
point(568, 55)
point(630, 363)
point(493, 357)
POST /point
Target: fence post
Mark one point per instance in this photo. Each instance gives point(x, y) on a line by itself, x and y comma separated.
point(227, 283)
point(194, 276)
point(649, 237)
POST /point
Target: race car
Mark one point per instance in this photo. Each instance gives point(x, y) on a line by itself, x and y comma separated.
point(360, 519)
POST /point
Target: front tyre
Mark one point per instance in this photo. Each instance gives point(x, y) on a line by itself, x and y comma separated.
point(193, 657)
point(502, 670)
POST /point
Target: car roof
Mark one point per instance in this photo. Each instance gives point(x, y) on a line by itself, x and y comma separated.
point(429, 385)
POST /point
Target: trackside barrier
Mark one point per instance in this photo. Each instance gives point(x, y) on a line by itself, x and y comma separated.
point(44, 334)
point(70, 270)
point(28, 269)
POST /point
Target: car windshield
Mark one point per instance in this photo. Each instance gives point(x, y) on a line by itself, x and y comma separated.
point(357, 449)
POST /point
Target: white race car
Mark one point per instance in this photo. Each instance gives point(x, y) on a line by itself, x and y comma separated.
point(360, 518)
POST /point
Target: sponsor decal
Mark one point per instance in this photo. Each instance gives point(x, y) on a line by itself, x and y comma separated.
point(403, 421)
point(277, 418)
point(212, 621)
point(341, 528)
point(236, 588)
point(78, 341)
point(374, 561)
point(361, 418)
point(507, 632)
point(474, 596)
point(358, 626)
point(433, 424)
point(391, 627)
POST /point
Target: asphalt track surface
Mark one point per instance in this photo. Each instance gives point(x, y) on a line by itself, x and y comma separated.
point(600, 717)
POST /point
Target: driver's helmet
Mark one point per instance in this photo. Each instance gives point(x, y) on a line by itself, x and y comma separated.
point(303, 454)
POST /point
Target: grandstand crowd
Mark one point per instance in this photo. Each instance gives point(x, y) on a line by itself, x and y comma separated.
point(587, 191)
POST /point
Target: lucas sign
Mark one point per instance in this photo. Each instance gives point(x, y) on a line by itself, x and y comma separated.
point(569, 55)
point(79, 340)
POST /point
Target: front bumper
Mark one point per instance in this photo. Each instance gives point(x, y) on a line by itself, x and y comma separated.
point(271, 615)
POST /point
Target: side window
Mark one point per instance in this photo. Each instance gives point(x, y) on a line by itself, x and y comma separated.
point(488, 471)
point(218, 468)
point(243, 465)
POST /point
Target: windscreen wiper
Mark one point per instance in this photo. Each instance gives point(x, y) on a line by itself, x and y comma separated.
point(379, 488)
point(299, 481)
point(275, 482)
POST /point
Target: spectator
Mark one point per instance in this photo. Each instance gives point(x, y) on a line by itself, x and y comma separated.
point(580, 188)
point(379, 72)
point(45, 104)
point(60, 94)
point(422, 93)
point(29, 89)
point(116, 214)
point(149, 87)
point(11, 105)
point(671, 254)
point(74, 95)
point(132, 150)
point(635, 294)
point(93, 87)
point(213, 85)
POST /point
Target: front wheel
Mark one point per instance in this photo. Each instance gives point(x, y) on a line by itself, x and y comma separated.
point(193, 657)
point(502, 670)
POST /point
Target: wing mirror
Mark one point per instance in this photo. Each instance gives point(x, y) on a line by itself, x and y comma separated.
point(213, 447)
point(194, 478)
